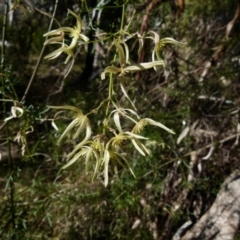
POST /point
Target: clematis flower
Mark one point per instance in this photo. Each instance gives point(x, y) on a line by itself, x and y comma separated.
point(148, 121)
point(80, 120)
point(124, 69)
point(58, 38)
point(74, 33)
point(122, 112)
point(111, 152)
point(124, 60)
point(63, 49)
point(160, 43)
point(90, 151)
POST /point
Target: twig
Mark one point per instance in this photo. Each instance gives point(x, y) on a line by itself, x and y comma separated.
point(40, 57)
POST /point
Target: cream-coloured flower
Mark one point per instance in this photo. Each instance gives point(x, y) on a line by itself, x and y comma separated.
point(80, 121)
point(124, 69)
point(74, 33)
point(139, 127)
point(160, 43)
point(122, 112)
point(148, 121)
point(58, 38)
point(124, 61)
point(63, 49)
point(90, 151)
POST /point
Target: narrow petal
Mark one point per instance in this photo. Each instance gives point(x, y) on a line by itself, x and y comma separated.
point(97, 165)
point(88, 132)
point(171, 41)
point(110, 69)
point(121, 54)
point(78, 147)
point(69, 56)
point(83, 120)
point(54, 54)
point(132, 135)
point(68, 129)
point(73, 43)
point(126, 52)
point(58, 31)
point(116, 120)
point(82, 153)
point(132, 112)
point(84, 38)
point(79, 22)
point(88, 156)
point(158, 124)
point(144, 66)
point(55, 39)
point(156, 37)
point(106, 165)
point(67, 107)
point(140, 147)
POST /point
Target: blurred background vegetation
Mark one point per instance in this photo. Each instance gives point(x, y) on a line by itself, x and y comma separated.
point(196, 95)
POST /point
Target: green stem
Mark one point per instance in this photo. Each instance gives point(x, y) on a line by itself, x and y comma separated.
point(111, 80)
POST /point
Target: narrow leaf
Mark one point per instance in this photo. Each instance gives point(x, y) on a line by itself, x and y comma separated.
point(79, 22)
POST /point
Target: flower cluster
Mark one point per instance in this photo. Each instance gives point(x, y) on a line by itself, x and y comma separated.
point(101, 148)
point(107, 148)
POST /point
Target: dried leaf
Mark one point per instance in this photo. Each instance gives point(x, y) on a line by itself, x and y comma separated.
point(183, 134)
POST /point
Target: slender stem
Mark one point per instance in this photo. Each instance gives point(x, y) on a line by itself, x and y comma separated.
point(111, 80)
point(123, 15)
point(40, 56)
